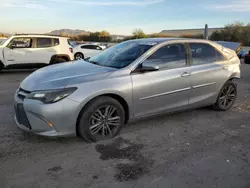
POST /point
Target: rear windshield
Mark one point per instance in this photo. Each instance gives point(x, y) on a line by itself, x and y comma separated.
point(71, 43)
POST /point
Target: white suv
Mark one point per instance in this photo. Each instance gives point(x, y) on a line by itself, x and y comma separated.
point(30, 51)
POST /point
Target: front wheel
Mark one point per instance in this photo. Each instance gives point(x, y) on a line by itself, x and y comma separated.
point(227, 97)
point(102, 119)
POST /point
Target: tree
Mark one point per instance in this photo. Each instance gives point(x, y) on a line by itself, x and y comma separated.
point(235, 32)
point(138, 34)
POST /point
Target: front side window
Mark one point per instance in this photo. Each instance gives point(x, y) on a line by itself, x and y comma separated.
point(97, 48)
point(21, 43)
point(203, 53)
point(170, 56)
point(87, 47)
point(44, 42)
point(121, 55)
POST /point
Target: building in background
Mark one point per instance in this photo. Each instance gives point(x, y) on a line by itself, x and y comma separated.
point(181, 32)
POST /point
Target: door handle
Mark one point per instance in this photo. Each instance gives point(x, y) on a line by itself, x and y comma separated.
point(185, 74)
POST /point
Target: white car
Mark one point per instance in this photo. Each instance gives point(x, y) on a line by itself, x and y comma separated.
point(84, 51)
point(28, 51)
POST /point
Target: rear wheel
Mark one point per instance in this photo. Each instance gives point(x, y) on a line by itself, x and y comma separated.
point(79, 56)
point(58, 60)
point(227, 97)
point(102, 119)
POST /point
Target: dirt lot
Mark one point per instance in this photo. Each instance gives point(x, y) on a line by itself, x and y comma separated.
point(197, 148)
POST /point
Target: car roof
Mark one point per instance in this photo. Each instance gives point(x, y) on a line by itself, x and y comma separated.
point(161, 40)
point(39, 35)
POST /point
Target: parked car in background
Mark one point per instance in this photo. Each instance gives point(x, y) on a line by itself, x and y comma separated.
point(247, 58)
point(27, 51)
point(241, 54)
point(130, 80)
point(84, 51)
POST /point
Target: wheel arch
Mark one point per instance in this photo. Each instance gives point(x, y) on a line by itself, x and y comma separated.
point(1, 64)
point(234, 76)
point(117, 97)
point(64, 56)
point(78, 53)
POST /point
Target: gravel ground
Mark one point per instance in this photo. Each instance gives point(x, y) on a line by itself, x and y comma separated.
point(196, 148)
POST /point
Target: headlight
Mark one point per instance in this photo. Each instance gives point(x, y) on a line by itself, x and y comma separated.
point(51, 96)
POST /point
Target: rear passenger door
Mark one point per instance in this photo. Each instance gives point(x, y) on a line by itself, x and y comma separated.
point(44, 49)
point(207, 73)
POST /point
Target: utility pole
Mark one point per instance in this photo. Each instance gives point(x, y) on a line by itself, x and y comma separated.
point(206, 32)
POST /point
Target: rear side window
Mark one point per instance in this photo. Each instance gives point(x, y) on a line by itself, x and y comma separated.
point(44, 42)
point(204, 54)
point(56, 42)
point(170, 56)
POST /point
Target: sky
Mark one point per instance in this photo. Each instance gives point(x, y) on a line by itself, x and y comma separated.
point(119, 16)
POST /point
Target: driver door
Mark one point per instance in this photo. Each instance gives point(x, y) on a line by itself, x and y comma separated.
point(19, 51)
point(166, 89)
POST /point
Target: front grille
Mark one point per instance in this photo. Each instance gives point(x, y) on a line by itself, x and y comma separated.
point(22, 93)
point(21, 116)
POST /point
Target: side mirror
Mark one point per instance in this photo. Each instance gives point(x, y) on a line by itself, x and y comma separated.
point(149, 66)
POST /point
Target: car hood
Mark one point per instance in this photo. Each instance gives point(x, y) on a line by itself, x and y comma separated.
point(61, 75)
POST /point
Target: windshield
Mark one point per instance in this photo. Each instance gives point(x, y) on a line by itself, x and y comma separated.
point(2, 41)
point(121, 55)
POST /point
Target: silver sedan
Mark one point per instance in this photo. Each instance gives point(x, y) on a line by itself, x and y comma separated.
point(95, 98)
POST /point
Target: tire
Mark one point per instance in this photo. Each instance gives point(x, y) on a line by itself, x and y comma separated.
point(1, 66)
point(226, 97)
point(247, 61)
point(58, 60)
point(92, 127)
point(79, 56)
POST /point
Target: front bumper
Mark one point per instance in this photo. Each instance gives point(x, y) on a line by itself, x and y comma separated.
point(52, 120)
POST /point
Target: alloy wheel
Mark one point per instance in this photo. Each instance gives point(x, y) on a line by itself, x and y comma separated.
point(78, 56)
point(227, 96)
point(104, 122)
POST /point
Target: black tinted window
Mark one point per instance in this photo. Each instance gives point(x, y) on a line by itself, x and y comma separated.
point(97, 48)
point(170, 56)
point(44, 42)
point(203, 53)
point(56, 42)
point(21, 43)
point(87, 47)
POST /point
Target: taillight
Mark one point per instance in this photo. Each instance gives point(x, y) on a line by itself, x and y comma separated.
point(71, 50)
